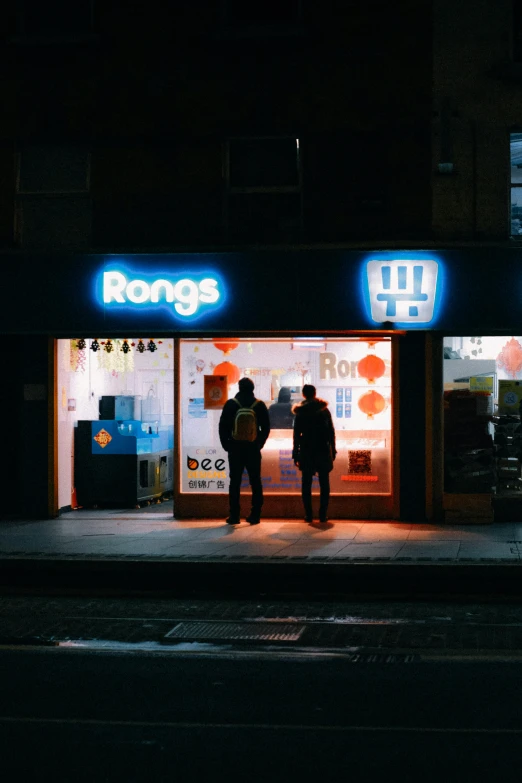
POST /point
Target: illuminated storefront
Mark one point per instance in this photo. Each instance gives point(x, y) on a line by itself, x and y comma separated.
point(354, 375)
point(160, 329)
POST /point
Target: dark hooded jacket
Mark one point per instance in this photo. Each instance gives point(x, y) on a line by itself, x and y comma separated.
point(314, 436)
point(228, 415)
point(280, 412)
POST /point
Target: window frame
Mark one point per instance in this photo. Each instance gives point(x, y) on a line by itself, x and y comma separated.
point(51, 192)
point(52, 36)
point(260, 28)
point(235, 190)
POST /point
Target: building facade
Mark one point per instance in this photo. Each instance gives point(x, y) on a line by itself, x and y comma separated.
point(285, 149)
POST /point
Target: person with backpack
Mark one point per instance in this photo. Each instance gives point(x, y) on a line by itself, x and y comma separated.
point(314, 449)
point(244, 427)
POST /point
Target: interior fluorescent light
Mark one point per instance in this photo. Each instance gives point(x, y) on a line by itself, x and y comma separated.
point(308, 345)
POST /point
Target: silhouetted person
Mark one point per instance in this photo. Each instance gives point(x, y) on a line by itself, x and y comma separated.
point(314, 449)
point(280, 412)
point(243, 429)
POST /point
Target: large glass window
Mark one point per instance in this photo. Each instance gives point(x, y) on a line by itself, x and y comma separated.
point(352, 375)
point(115, 413)
point(482, 405)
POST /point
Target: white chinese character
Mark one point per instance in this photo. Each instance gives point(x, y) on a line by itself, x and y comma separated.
point(402, 290)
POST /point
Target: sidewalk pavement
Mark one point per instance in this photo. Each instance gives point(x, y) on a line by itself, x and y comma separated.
point(83, 538)
point(152, 532)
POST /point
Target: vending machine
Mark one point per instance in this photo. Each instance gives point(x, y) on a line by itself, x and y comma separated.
point(122, 461)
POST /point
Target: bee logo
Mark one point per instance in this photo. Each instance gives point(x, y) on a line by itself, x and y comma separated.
point(192, 464)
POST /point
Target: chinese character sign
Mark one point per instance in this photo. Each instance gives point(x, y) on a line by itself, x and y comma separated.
point(402, 290)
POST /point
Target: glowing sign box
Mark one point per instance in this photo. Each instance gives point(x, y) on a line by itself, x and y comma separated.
point(185, 296)
point(402, 290)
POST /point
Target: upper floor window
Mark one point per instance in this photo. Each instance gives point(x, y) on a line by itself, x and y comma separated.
point(55, 18)
point(53, 206)
point(53, 169)
point(269, 16)
point(516, 184)
point(263, 189)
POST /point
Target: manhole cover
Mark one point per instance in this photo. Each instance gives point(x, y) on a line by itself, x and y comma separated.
point(274, 632)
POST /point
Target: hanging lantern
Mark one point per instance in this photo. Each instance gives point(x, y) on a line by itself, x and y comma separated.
point(228, 369)
point(141, 346)
point(151, 346)
point(108, 346)
point(95, 345)
point(225, 345)
point(80, 344)
point(125, 347)
point(510, 358)
point(371, 367)
point(371, 403)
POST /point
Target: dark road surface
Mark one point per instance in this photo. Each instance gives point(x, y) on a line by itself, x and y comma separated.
point(107, 688)
point(132, 716)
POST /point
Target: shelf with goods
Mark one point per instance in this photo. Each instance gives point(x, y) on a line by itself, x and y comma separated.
point(508, 451)
point(469, 454)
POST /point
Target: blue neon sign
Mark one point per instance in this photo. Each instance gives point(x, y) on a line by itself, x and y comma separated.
point(403, 288)
point(186, 296)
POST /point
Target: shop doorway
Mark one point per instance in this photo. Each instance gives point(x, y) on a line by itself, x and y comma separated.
point(115, 417)
point(353, 375)
point(482, 425)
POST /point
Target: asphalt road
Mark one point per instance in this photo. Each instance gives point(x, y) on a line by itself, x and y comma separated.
point(73, 714)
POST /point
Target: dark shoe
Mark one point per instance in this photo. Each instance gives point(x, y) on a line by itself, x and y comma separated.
point(308, 518)
point(233, 521)
point(253, 519)
point(323, 520)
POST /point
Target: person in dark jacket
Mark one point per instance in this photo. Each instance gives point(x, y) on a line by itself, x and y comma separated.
point(280, 412)
point(244, 454)
point(314, 449)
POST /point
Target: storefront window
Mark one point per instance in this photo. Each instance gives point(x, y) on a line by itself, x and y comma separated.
point(352, 375)
point(482, 403)
point(115, 413)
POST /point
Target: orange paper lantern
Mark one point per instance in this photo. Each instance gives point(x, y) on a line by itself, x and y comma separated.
point(228, 369)
point(372, 403)
point(371, 367)
point(225, 345)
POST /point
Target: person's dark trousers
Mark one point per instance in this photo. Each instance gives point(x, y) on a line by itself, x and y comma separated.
point(324, 494)
point(241, 456)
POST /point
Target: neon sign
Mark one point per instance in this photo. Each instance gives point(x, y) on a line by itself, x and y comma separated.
point(185, 296)
point(404, 290)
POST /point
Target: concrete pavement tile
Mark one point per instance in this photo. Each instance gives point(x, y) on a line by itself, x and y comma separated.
point(139, 548)
point(351, 550)
point(262, 549)
point(332, 530)
point(432, 549)
point(314, 549)
point(442, 534)
point(488, 550)
point(201, 550)
point(382, 539)
point(29, 549)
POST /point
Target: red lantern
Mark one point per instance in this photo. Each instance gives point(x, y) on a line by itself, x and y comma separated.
point(372, 403)
point(371, 367)
point(225, 345)
point(228, 369)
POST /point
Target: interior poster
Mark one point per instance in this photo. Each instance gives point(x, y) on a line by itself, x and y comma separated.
point(215, 391)
point(509, 396)
point(204, 469)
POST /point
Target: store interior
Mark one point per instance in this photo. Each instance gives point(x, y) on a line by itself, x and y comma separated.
point(482, 423)
point(116, 414)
